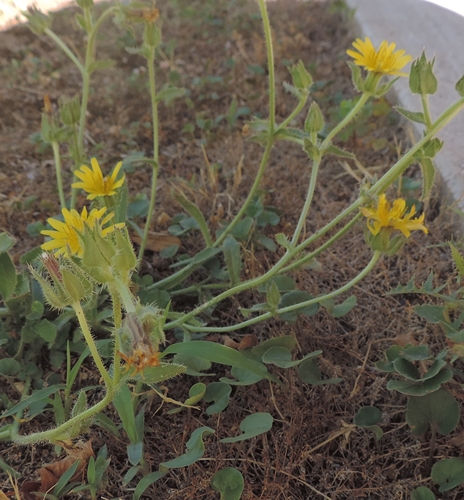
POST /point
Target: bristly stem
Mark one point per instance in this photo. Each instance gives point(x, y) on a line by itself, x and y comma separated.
point(154, 175)
point(91, 344)
point(59, 178)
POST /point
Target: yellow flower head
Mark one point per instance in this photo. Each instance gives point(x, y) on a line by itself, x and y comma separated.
point(65, 238)
point(393, 217)
point(384, 61)
point(94, 183)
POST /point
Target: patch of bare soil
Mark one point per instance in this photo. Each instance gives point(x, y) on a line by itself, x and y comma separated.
point(219, 55)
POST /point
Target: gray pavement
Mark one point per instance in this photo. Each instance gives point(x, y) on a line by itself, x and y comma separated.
point(414, 25)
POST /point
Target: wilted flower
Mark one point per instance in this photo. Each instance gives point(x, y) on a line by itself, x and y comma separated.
point(93, 182)
point(383, 61)
point(393, 217)
point(65, 239)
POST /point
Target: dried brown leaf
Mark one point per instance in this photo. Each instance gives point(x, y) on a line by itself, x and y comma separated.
point(157, 241)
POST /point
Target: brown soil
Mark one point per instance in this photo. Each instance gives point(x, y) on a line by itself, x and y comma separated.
point(297, 460)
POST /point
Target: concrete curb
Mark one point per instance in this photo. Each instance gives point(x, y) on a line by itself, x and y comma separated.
point(414, 25)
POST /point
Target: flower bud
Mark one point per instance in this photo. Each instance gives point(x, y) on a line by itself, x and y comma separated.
point(70, 110)
point(38, 21)
point(421, 77)
point(152, 33)
point(315, 120)
point(460, 86)
point(301, 77)
point(125, 259)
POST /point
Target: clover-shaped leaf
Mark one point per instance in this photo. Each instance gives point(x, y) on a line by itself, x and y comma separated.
point(448, 473)
point(229, 482)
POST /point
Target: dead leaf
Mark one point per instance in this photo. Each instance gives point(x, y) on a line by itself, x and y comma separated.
point(50, 474)
point(248, 341)
point(228, 342)
point(405, 339)
point(157, 241)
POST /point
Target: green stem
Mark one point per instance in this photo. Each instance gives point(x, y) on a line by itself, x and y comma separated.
point(56, 433)
point(300, 262)
point(117, 318)
point(309, 199)
point(362, 100)
point(377, 254)
point(91, 344)
point(65, 49)
point(124, 293)
point(270, 63)
point(154, 175)
point(293, 114)
point(59, 179)
point(251, 194)
point(426, 109)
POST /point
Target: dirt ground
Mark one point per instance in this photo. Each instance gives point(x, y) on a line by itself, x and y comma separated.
point(219, 55)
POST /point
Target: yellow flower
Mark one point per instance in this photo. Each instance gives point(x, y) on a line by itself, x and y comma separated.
point(384, 61)
point(94, 183)
point(393, 217)
point(65, 238)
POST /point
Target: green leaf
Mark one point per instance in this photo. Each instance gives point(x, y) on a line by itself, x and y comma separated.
point(46, 330)
point(195, 449)
point(135, 452)
point(229, 482)
point(147, 481)
point(282, 357)
point(39, 395)
point(194, 212)
point(448, 473)
point(428, 176)
point(309, 373)
point(286, 341)
point(168, 94)
point(219, 392)
point(414, 116)
point(102, 64)
point(432, 314)
point(406, 368)
point(242, 377)
point(252, 426)
point(437, 408)
point(8, 275)
point(218, 353)
point(344, 308)
point(9, 367)
point(295, 297)
point(233, 259)
point(58, 490)
point(195, 366)
point(155, 374)
point(367, 416)
point(458, 259)
point(421, 388)
point(6, 242)
point(196, 393)
point(422, 493)
point(125, 408)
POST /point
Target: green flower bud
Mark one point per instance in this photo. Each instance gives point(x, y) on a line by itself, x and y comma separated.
point(315, 120)
point(70, 110)
point(125, 259)
point(301, 77)
point(460, 86)
point(38, 21)
point(53, 288)
point(152, 34)
point(422, 80)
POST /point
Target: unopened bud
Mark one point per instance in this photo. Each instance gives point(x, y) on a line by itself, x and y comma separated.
point(422, 80)
point(38, 21)
point(460, 86)
point(70, 110)
point(301, 77)
point(315, 120)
